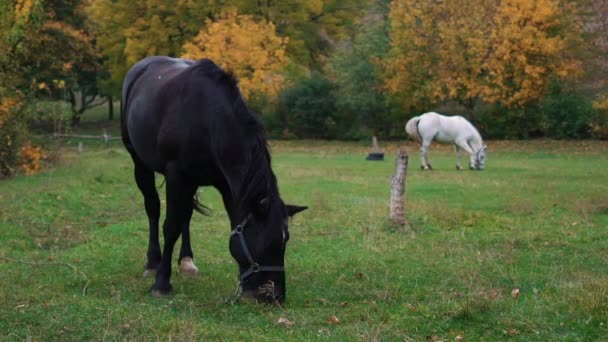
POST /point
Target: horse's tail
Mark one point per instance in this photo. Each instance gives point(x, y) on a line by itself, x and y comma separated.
point(411, 128)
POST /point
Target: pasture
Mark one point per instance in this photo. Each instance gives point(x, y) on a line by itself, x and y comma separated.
point(73, 241)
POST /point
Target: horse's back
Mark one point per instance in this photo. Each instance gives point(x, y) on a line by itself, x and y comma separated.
point(143, 106)
point(184, 111)
point(444, 128)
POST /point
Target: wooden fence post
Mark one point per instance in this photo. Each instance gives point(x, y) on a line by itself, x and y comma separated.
point(398, 190)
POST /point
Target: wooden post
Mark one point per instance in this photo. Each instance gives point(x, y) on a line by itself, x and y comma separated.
point(398, 191)
point(105, 137)
point(375, 146)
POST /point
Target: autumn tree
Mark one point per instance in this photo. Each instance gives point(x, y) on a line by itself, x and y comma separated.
point(593, 18)
point(496, 51)
point(411, 71)
point(19, 19)
point(251, 50)
point(528, 49)
point(354, 67)
point(127, 31)
point(313, 26)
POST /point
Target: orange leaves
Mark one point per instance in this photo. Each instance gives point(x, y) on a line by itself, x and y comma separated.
point(23, 8)
point(31, 157)
point(497, 51)
point(527, 50)
point(250, 49)
point(7, 105)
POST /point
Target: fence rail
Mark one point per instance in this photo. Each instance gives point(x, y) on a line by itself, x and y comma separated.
point(104, 136)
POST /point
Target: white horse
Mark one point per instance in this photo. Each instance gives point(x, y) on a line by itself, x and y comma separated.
point(447, 129)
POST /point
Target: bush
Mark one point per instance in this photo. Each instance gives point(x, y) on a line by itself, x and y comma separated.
point(496, 121)
point(306, 110)
point(568, 114)
point(12, 133)
point(599, 126)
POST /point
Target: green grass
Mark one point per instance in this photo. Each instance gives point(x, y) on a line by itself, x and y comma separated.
point(535, 220)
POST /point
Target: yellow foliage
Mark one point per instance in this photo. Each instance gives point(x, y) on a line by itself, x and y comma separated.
point(30, 159)
point(498, 51)
point(7, 105)
point(23, 9)
point(526, 52)
point(251, 50)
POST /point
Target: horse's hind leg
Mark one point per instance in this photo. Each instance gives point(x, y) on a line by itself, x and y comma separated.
point(179, 210)
point(424, 156)
point(186, 262)
point(458, 154)
point(144, 178)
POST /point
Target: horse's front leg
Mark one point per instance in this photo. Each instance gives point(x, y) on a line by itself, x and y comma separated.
point(465, 146)
point(186, 262)
point(424, 158)
point(179, 210)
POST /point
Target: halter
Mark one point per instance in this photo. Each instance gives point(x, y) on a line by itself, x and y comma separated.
point(254, 267)
point(477, 155)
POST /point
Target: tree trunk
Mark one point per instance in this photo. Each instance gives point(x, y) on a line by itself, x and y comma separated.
point(110, 108)
point(397, 213)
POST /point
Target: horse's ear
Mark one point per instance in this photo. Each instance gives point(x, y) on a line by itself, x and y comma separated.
point(294, 209)
point(261, 208)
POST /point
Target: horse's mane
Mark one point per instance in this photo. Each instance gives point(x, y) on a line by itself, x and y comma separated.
point(258, 178)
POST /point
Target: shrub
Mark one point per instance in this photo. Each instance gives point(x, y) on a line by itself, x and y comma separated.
point(599, 126)
point(307, 110)
point(30, 158)
point(12, 132)
point(568, 114)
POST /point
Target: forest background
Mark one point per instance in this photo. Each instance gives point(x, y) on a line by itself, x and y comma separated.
point(321, 69)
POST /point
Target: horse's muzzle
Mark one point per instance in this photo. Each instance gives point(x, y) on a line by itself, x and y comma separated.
point(266, 294)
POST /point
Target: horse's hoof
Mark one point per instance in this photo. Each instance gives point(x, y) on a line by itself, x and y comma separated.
point(149, 272)
point(160, 293)
point(188, 268)
point(458, 168)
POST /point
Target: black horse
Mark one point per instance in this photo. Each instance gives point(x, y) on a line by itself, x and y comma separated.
point(188, 121)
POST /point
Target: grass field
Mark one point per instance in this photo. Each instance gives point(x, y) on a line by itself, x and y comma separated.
point(73, 242)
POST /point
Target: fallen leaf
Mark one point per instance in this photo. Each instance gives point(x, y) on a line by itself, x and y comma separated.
point(343, 304)
point(459, 338)
point(513, 332)
point(285, 321)
point(515, 293)
point(333, 320)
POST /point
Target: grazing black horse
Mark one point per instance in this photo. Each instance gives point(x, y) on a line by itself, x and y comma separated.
point(188, 121)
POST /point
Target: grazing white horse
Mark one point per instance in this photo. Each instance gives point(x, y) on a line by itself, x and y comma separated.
point(447, 129)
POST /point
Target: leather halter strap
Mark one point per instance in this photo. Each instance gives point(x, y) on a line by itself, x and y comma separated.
point(254, 267)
